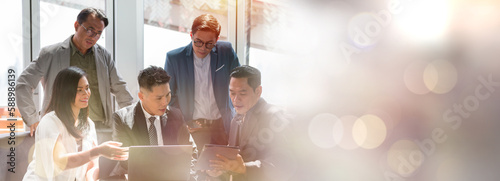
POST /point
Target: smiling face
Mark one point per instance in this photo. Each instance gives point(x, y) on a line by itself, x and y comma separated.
point(82, 95)
point(205, 37)
point(155, 101)
point(82, 40)
point(242, 95)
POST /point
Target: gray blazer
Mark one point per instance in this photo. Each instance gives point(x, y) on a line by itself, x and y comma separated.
point(54, 58)
point(264, 144)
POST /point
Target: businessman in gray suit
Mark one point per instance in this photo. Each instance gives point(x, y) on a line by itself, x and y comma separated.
point(260, 131)
point(80, 50)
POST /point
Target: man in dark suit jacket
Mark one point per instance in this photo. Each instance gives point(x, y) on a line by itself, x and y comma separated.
point(150, 121)
point(200, 78)
point(173, 129)
point(260, 130)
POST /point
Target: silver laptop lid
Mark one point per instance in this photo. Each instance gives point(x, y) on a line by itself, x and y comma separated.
point(168, 162)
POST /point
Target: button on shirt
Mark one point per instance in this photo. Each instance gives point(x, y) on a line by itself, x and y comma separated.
point(157, 124)
point(205, 106)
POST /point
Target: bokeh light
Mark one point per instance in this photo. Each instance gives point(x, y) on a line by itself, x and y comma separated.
point(440, 76)
point(388, 109)
point(404, 157)
point(425, 20)
point(369, 131)
point(347, 141)
point(414, 77)
point(325, 130)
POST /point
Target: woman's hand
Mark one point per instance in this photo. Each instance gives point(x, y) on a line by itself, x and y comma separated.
point(113, 151)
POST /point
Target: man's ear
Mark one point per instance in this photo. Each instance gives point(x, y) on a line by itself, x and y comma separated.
point(191, 34)
point(258, 90)
point(140, 95)
point(76, 25)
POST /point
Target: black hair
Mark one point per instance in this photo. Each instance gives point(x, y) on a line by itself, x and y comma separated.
point(63, 95)
point(84, 14)
point(246, 71)
point(152, 76)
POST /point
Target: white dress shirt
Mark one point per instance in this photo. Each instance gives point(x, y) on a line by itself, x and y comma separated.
point(157, 124)
point(205, 105)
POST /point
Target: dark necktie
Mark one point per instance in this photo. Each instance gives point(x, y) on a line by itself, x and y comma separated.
point(153, 138)
point(234, 132)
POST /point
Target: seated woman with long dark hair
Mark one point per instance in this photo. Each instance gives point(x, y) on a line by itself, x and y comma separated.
point(66, 142)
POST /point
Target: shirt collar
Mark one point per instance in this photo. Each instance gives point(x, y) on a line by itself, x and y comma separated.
point(147, 115)
point(202, 59)
point(255, 108)
point(75, 50)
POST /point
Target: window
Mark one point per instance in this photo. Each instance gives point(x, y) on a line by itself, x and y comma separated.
point(57, 18)
point(268, 25)
point(11, 42)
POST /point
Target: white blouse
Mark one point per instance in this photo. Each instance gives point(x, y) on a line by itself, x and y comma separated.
point(42, 167)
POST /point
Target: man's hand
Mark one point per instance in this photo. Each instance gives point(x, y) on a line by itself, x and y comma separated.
point(225, 164)
point(33, 128)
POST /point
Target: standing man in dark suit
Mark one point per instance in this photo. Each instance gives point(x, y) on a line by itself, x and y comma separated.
point(150, 121)
point(200, 79)
point(260, 131)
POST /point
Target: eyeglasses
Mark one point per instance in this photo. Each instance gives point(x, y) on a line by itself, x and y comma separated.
point(91, 32)
point(199, 43)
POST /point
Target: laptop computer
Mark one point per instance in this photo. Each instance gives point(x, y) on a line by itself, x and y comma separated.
point(168, 162)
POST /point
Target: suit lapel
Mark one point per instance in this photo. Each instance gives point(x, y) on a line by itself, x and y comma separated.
point(251, 121)
point(102, 74)
point(66, 55)
point(164, 129)
point(140, 127)
point(190, 77)
point(248, 127)
point(213, 64)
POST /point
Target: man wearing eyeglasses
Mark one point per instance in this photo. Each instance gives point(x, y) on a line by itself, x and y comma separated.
point(200, 79)
point(78, 50)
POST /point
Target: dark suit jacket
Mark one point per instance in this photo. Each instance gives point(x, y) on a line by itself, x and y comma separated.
point(264, 144)
point(179, 65)
point(130, 128)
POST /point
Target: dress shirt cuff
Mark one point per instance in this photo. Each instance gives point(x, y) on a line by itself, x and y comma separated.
point(253, 164)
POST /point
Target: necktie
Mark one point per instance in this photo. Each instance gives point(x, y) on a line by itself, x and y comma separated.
point(234, 132)
point(153, 138)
